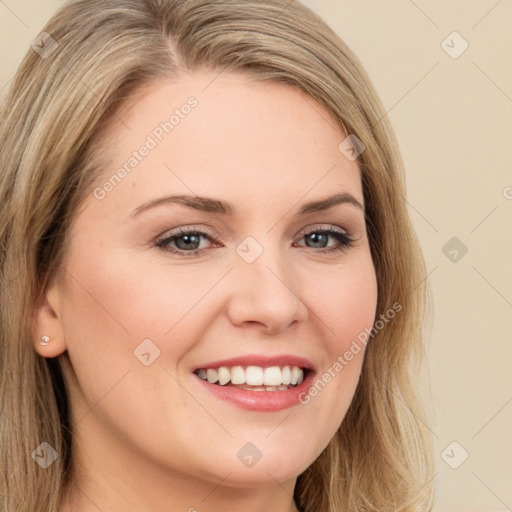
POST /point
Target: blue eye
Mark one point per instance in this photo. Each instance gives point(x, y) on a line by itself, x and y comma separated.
point(187, 242)
point(319, 235)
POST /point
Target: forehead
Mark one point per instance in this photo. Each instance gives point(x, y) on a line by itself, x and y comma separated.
point(216, 134)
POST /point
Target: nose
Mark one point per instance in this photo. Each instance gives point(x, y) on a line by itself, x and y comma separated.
point(266, 294)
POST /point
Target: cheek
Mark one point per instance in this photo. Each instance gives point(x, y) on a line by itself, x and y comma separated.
point(113, 310)
point(345, 308)
point(345, 301)
point(131, 300)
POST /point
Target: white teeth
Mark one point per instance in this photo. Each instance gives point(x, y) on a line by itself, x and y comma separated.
point(254, 375)
point(286, 375)
point(212, 375)
point(224, 375)
point(237, 375)
point(272, 376)
point(295, 375)
point(263, 379)
point(264, 388)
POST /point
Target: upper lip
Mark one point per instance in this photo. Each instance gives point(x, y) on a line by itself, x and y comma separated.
point(260, 360)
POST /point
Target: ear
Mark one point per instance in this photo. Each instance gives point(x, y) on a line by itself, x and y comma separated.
point(47, 321)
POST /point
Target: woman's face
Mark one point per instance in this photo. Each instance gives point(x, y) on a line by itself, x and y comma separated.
point(138, 312)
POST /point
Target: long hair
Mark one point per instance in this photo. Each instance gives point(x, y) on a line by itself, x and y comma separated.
point(99, 55)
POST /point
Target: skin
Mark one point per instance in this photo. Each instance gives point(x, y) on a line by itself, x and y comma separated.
point(150, 438)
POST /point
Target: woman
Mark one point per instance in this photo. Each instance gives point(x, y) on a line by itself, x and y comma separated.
point(212, 294)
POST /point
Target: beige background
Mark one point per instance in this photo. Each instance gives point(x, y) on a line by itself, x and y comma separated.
point(453, 118)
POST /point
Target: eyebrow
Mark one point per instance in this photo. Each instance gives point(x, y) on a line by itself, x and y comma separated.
point(217, 206)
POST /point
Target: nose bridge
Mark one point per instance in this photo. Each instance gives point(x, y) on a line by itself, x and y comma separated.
point(266, 290)
point(262, 262)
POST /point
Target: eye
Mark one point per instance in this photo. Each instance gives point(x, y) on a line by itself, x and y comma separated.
point(187, 242)
point(321, 237)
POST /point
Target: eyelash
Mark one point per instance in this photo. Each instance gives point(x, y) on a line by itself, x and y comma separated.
point(345, 241)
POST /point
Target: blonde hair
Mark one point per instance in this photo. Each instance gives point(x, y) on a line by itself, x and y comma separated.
point(380, 459)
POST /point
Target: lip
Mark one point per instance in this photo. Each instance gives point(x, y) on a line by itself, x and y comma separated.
point(260, 401)
point(260, 360)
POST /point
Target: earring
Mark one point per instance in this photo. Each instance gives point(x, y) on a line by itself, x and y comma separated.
point(44, 340)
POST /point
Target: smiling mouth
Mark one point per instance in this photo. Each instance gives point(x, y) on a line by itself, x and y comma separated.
point(255, 378)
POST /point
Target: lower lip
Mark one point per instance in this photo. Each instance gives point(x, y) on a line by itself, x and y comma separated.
point(261, 401)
